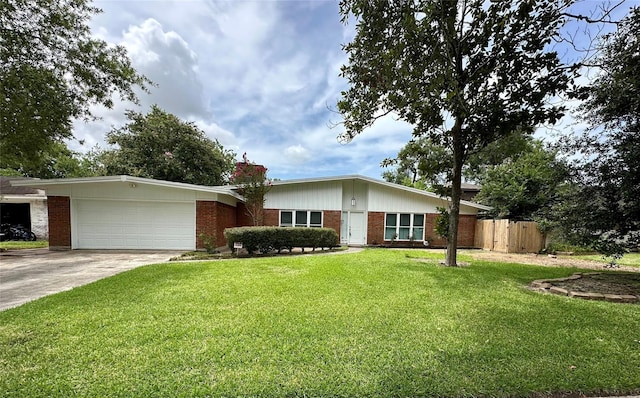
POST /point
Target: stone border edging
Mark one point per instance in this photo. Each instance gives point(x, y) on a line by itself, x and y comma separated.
point(546, 286)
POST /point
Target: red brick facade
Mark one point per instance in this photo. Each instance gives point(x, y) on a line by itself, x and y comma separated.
point(332, 219)
point(59, 208)
point(375, 228)
point(211, 220)
point(466, 230)
point(271, 217)
point(242, 217)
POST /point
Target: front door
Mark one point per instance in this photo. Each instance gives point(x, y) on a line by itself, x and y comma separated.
point(353, 229)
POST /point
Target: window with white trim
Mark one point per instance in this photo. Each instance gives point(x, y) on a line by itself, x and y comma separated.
point(301, 218)
point(403, 226)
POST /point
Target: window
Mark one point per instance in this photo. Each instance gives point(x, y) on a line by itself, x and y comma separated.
point(302, 218)
point(403, 226)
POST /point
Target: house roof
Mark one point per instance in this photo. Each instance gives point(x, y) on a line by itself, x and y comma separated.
point(227, 190)
point(7, 187)
point(378, 182)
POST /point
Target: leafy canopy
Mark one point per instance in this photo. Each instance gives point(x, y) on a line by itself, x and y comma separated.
point(51, 72)
point(463, 73)
point(159, 145)
point(602, 208)
point(523, 187)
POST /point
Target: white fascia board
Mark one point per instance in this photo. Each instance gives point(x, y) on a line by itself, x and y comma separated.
point(379, 182)
point(124, 178)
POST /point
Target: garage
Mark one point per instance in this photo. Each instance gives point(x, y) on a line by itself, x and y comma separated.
point(135, 213)
point(121, 224)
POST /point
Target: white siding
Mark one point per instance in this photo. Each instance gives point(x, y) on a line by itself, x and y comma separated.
point(386, 199)
point(123, 191)
point(359, 191)
point(306, 196)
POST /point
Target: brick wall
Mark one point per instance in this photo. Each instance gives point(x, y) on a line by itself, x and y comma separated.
point(59, 209)
point(271, 217)
point(466, 231)
point(211, 219)
point(375, 228)
point(331, 219)
point(242, 217)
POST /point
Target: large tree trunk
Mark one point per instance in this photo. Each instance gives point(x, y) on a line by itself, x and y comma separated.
point(456, 181)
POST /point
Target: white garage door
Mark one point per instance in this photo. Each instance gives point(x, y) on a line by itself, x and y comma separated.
point(110, 224)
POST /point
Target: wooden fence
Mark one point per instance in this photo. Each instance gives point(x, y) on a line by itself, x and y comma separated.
point(509, 236)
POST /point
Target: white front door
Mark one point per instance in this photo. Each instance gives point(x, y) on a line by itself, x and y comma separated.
point(353, 229)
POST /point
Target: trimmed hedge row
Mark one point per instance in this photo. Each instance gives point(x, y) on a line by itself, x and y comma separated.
point(269, 239)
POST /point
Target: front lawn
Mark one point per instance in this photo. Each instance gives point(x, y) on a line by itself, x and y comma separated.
point(375, 323)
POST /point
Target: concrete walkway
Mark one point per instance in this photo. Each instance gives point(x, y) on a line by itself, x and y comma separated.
point(27, 275)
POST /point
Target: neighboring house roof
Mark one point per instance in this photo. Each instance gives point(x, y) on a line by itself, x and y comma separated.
point(8, 188)
point(227, 190)
point(378, 182)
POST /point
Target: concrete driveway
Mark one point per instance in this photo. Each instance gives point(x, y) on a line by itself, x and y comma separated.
point(26, 275)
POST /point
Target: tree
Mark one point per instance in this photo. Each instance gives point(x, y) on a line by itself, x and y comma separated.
point(159, 145)
point(525, 186)
point(253, 184)
point(51, 72)
point(425, 165)
point(463, 73)
point(602, 208)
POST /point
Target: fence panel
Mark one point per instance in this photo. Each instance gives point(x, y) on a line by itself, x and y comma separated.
point(501, 236)
point(483, 238)
point(509, 237)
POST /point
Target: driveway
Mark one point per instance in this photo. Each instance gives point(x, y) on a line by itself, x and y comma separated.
point(26, 275)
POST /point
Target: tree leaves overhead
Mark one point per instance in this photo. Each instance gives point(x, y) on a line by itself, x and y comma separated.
point(464, 73)
point(159, 145)
point(432, 61)
point(52, 71)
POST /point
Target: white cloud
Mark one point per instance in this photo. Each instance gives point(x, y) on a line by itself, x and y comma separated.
point(297, 154)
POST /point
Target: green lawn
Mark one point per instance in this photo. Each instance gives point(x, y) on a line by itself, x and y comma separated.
point(19, 245)
point(376, 323)
point(630, 259)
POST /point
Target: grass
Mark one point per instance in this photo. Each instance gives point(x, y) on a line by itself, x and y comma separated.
point(20, 245)
point(375, 323)
point(629, 259)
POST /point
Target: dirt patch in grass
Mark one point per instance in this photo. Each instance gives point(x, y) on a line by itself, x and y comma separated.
point(547, 261)
point(604, 283)
point(625, 282)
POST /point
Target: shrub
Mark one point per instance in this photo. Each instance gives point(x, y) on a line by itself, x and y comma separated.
point(268, 239)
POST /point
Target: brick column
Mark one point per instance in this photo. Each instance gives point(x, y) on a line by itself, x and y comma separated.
point(211, 220)
point(375, 228)
point(331, 219)
point(59, 209)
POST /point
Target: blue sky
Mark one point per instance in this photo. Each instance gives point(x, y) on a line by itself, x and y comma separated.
point(262, 77)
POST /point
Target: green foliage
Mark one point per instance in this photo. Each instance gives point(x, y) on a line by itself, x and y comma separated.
point(425, 165)
point(268, 239)
point(441, 223)
point(58, 161)
point(253, 184)
point(52, 70)
point(463, 75)
point(555, 247)
point(159, 145)
point(525, 186)
point(602, 208)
